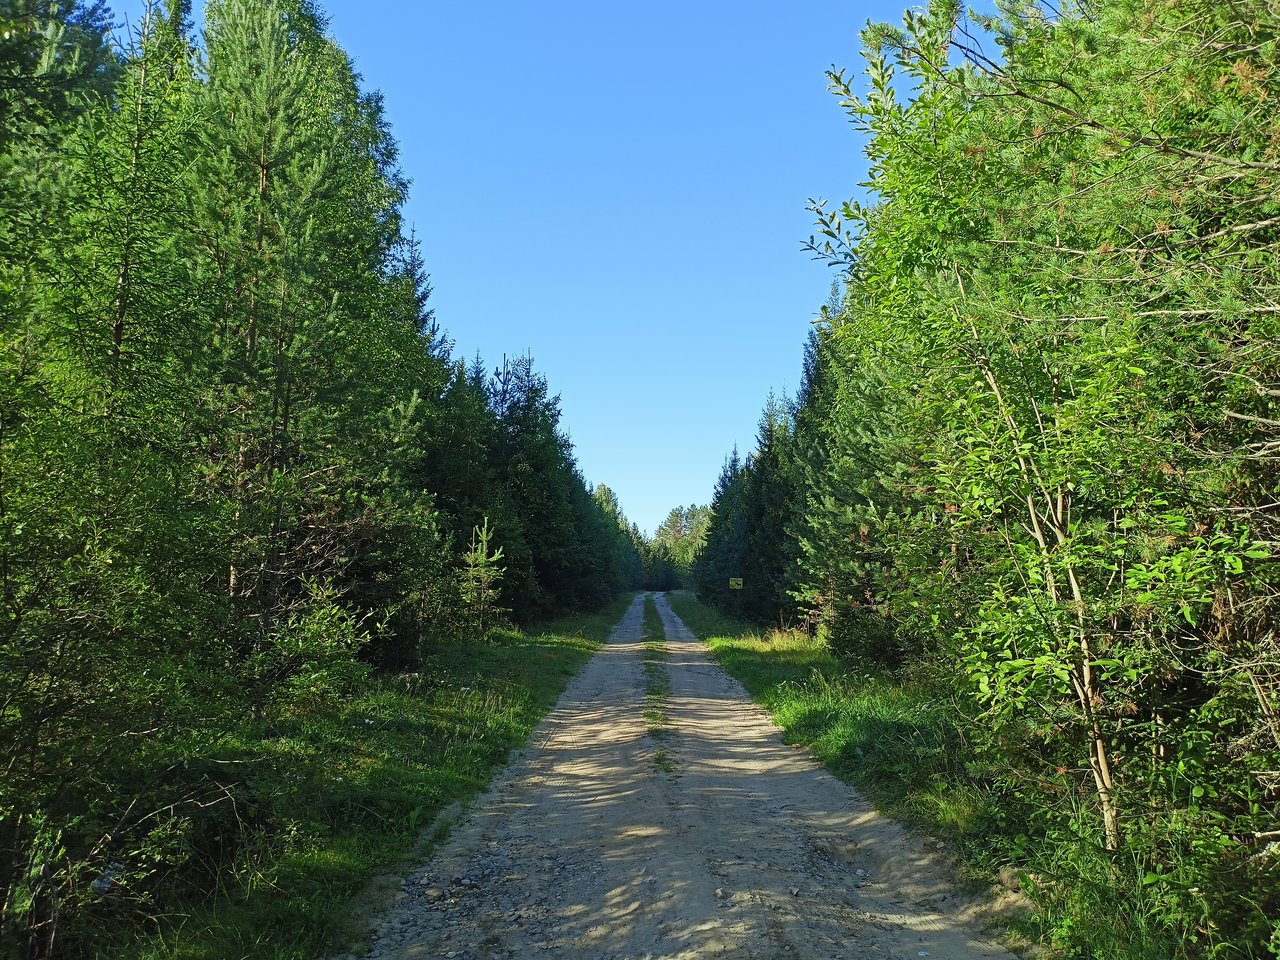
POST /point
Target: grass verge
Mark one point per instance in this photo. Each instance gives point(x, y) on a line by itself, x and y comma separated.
point(348, 786)
point(890, 738)
point(898, 742)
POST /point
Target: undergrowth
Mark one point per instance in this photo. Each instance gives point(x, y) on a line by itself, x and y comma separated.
point(343, 792)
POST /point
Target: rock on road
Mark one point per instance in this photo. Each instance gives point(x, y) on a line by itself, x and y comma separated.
point(734, 845)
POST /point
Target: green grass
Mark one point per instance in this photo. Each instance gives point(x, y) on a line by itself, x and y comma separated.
point(890, 738)
point(663, 763)
point(657, 681)
point(898, 743)
point(346, 789)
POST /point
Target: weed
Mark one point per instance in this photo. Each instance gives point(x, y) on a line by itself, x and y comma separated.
point(657, 681)
point(662, 761)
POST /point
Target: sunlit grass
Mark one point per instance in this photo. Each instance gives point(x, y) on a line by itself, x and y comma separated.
point(890, 738)
point(347, 788)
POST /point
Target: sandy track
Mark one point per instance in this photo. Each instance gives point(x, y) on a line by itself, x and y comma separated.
point(744, 848)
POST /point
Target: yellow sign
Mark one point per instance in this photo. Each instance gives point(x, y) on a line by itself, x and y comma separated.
point(735, 583)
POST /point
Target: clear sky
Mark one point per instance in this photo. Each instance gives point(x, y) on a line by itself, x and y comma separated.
point(619, 189)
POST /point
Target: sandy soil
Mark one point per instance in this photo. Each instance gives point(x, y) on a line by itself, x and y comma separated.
point(733, 844)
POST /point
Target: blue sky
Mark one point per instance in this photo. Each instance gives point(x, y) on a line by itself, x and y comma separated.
point(619, 189)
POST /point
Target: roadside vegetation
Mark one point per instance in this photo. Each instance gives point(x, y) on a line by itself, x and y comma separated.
point(669, 555)
point(263, 537)
point(892, 739)
point(350, 789)
point(1027, 495)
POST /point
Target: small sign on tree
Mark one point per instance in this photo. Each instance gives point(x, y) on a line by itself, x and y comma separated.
point(735, 583)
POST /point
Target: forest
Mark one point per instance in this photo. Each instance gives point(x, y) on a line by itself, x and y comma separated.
point(1032, 470)
point(241, 472)
point(251, 502)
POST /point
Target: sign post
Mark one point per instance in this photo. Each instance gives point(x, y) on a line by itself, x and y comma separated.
point(735, 583)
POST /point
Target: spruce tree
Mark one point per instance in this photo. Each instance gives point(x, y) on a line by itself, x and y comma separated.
point(480, 576)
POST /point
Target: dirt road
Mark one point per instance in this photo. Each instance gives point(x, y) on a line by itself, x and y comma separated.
point(733, 844)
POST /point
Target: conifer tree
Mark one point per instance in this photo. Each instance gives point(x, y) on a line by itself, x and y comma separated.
point(236, 465)
point(481, 574)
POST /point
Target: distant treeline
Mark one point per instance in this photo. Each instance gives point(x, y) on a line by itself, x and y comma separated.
point(669, 555)
point(239, 467)
point(1035, 461)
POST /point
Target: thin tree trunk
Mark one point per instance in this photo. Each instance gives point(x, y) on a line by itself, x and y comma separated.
point(1083, 681)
